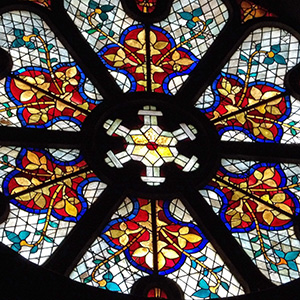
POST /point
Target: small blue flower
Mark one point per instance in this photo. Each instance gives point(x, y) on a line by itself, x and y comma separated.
point(101, 10)
point(273, 56)
point(192, 18)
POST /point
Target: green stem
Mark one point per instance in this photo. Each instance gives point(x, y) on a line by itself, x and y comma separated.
point(111, 38)
point(182, 43)
point(44, 231)
point(213, 288)
point(115, 254)
point(249, 65)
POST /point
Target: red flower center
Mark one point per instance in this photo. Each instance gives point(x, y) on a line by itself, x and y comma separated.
point(152, 146)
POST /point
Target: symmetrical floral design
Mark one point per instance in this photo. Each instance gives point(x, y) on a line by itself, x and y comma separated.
point(36, 187)
point(257, 199)
point(255, 108)
point(135, 233)
point(129, 57)
point(151, 145)
point(43, 96)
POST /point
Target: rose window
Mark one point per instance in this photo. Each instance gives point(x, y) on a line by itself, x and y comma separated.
point(149, 149)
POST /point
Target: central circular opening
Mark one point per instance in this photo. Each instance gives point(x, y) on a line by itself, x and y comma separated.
point(148, 143)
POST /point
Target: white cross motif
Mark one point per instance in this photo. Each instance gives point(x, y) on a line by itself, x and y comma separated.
point(151, 145)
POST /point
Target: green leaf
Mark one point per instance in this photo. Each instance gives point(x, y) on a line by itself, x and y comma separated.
point(202, 258)
point(93, 4)
point(34, 249)
point(53, 60)
point(48, 239)
point(12, 236)
point(292, 265)
point(117, 259)
point(218, 269)
point(36, 31)
point(97, 261)
point(189, 45)
point(294, 179)
point(279, 253)
point(41, 221)
point(209, 21)
point(110, 251)
point(6, 105)
point(101, 37)
point(255, 62)
point(203, 284)
point(266, 246)
point(42, 50)
point(18, 43)
point(107, 266)
point(194, 264)
point(243, 57)
point(53, 224)
point(240, 71)
point(103, 16)
point(264, 236)
point(3, 167)
point(268, 61)
point(291, 123)
point(182, 39)
point(83, 14)
point(90, 31)
point(275, 48)
point(9, 113)
point(293, 132)
point(201, 37)
point(253, 74)
point(257, 253)
point(113, 287)
point(87, 279)
point(192, 33)
point(111, 33)
point(44, 60)
point(197, 12)
point(39, 232)
point(225, 285)
point(258, 47)
point(255, 239)
point(106, 8)
point(274, 267)
point(16, 247)
point(292, 255)
point(30, 45)
point(280, 59)
point(203, 293)
point(186, 15)
point(19, 33)
point(24, 234)
point(297, 188)
point(214, 296)
point(50, 46)
point(205, 272)
point(5, 158)
point(108, 276)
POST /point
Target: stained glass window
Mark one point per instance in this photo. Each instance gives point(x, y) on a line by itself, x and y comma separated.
point(149, 149)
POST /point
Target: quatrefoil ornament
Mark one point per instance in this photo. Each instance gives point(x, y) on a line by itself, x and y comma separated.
point(151, 145)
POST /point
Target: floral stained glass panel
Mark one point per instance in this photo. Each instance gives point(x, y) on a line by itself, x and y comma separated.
point(49, 191)
point(47, 89)
point(255, 74)
point(125, 250)
point(257, 202)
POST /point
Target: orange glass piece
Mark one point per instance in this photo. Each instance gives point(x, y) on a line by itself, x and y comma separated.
point(250, 10)
point(146, 6)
